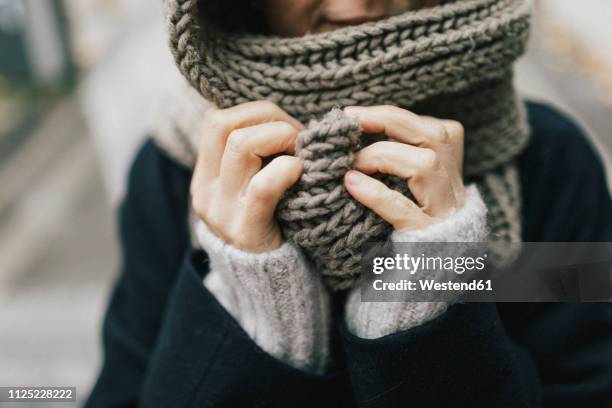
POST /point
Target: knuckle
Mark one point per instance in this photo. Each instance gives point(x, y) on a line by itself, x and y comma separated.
point(382, 195)
point(398, 202)
point(431, 161)
point(236, 141)
point(375, 152)
point(439, 133)
point(260, 190)
point(285, 128)
point(393, 110)
point(269, 106)
point(456, 131)
point(214, 118)
point(288, 162)
point(454, 128)
point(378, 147)
point(365, 154)
point(282, 131)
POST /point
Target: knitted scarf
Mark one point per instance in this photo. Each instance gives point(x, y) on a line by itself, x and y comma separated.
point(453, 61)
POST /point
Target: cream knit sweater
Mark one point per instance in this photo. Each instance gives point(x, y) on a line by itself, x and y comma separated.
point(282, 304)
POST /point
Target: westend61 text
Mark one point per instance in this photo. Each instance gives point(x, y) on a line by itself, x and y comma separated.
point(432, 285)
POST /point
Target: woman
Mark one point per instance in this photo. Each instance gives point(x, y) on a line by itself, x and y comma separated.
point(253, 302)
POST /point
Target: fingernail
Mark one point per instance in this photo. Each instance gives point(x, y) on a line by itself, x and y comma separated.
point(353, 177)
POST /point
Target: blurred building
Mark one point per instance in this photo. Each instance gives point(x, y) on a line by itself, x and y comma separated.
point(121, 47)
point(569, 65)
point(35, 41)
point(80, 81)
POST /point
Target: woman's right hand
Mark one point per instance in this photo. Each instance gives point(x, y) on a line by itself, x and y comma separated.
point(231, 191)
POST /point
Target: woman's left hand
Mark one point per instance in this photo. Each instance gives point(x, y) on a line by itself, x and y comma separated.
point(426, 151)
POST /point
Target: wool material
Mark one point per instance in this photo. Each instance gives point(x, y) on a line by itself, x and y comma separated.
point(372, 320)
point(274, 297)
point(453, 61)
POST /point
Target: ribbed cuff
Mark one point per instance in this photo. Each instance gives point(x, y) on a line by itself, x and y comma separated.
point(274, 296)
point(377, 319)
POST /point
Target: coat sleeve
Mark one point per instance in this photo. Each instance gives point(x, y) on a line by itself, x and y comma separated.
point(463, 358)
point(204, 358)
point(510, 355)
point(167, 341)
point(151, 246)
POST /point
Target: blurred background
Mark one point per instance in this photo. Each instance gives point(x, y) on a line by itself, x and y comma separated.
point(80, 84)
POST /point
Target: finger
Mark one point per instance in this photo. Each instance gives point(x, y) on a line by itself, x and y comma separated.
point(268, 185)
point(405, 161)
point(399, 124)
point(245, 148)
point(219, 123)
point(443, 137)
point(427, 178)
point(398, 159)
point(392, 206)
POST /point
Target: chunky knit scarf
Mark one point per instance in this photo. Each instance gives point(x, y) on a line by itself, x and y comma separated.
point(452, 61)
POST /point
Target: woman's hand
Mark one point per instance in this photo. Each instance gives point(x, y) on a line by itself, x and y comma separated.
point(426, 151)
point(230, 190)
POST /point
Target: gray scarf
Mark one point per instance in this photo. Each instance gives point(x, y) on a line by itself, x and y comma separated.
point(453, 61)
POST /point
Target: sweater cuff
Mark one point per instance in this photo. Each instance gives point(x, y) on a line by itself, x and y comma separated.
point(377, 319)
point(274, 296)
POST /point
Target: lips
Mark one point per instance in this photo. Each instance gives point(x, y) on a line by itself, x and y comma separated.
point(330, 24)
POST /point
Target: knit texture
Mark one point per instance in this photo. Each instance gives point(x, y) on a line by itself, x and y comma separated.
point(453, 61)
point(318, 212)
point(377, 319)
point(274, 297)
